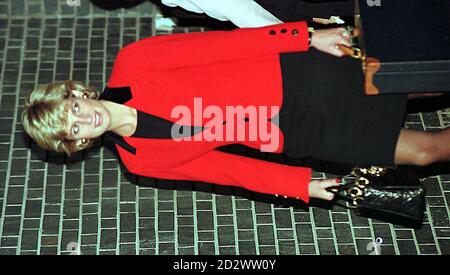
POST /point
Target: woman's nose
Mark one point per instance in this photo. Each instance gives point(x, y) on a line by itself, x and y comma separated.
point(84, 119)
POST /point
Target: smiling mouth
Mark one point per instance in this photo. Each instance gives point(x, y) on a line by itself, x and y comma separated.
point(98, 119)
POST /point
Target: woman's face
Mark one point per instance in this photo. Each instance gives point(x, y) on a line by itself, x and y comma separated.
point(86, 118)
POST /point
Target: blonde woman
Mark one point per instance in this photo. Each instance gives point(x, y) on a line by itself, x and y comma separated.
point(320, 110)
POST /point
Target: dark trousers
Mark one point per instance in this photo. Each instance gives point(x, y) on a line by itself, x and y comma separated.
point(285, 10)
point(297, 10)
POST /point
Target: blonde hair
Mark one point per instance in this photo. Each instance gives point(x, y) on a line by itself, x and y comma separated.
point(44, 116)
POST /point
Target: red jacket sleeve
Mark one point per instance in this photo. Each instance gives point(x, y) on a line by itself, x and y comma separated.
point(167, 52)
point(229, 169)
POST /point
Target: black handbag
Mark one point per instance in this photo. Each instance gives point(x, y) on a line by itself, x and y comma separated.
point(397, 192)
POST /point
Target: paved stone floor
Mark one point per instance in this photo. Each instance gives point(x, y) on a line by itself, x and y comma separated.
point(50, 204)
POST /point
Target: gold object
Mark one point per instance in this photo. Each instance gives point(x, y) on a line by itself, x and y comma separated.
point(357, 202)
point(355, 192)
point(358, 174)
point(352, 52)
point(362, 182)
point(372, 170)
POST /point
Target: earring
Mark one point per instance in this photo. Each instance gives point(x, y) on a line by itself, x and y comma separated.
point(84, 141)
point(84, 96)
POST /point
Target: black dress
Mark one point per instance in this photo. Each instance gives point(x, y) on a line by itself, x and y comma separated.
point(326, 115)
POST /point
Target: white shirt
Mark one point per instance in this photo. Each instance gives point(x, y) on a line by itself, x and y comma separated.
point(243, 13)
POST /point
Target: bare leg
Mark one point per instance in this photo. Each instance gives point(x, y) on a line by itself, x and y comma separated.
point(422, 148)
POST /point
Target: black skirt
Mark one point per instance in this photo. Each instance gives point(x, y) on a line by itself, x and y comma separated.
point(326, 114)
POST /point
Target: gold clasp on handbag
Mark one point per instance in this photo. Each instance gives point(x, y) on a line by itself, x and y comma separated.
point(355, 192)
point(377, 171)
point(357, 202)
point(357, 54)
point(356, 195)
point(362, 182)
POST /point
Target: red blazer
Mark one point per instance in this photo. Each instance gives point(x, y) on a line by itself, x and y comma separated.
point(224, 68)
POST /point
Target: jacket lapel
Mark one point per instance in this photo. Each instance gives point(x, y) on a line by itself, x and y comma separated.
point(149, 126)
point(119, 95)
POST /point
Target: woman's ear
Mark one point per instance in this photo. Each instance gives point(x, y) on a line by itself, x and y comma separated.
point(78, 94)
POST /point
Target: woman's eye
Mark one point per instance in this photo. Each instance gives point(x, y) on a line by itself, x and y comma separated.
point(76, 108)
point(75, 129)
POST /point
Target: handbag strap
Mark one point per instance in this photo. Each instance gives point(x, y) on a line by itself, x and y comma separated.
point(341, 196)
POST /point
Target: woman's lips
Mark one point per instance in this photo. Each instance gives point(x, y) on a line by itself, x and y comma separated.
point(98, 119)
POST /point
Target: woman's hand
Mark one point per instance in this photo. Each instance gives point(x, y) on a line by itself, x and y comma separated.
point(326, 40)
point(317, 188)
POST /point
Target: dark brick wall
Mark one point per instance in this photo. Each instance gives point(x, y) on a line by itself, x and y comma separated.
point(68, 8)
